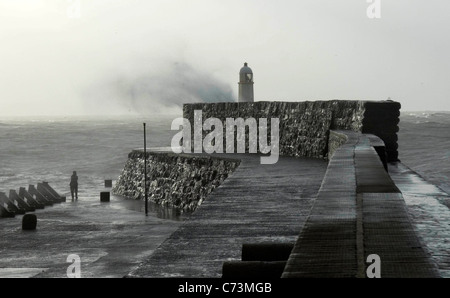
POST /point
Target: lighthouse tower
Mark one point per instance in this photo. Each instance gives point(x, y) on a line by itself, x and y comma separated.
point(246, 84)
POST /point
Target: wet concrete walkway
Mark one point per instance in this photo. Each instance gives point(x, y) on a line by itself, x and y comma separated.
point(359, 212)
point(428, 207)
point(110, 238)
point(257, 203)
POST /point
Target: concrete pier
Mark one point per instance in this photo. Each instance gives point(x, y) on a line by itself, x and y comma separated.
point(256, 204)
point(337, 217)
point(364, 214)
point(110, 239)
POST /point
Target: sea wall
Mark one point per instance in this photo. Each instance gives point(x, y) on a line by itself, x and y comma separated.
point(304, 126)
point(307, 129)
point(336, 140)
point(176, 180)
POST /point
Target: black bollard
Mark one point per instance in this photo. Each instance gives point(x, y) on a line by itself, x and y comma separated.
point(29, 222)
point(105, 197)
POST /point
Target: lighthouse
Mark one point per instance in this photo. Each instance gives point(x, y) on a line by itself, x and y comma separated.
point(246, 84)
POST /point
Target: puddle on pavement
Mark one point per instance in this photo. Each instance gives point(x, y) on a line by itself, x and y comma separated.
point(163, 212)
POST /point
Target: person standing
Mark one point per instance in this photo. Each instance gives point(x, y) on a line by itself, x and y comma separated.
point(74, 185)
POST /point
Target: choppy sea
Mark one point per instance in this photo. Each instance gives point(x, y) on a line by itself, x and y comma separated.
point(35, 149)
point(424, 145)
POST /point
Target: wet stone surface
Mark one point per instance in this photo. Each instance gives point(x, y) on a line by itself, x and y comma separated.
point(173, 180)
point(110, 239)
point(429, 212)
point(256, 204)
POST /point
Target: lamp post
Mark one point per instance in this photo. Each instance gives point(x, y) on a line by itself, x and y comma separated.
point(145, 172)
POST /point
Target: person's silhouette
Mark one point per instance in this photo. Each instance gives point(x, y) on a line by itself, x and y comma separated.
point(74, 185)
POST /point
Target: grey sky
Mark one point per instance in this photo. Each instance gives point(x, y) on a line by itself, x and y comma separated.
point(192, 50)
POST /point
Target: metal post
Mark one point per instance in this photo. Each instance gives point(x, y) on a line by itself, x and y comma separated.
point(145, 172)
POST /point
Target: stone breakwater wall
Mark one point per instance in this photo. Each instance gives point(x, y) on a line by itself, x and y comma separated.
point(305, 126)
point(335, 141)
point(177, 180)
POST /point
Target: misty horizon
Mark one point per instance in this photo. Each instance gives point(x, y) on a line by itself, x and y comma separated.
point(121, 57)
